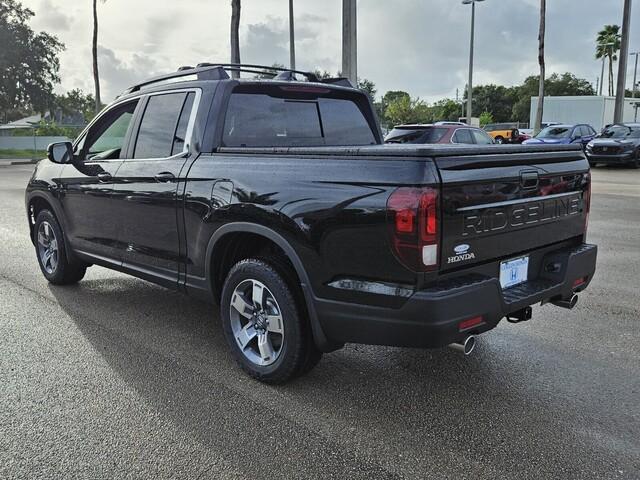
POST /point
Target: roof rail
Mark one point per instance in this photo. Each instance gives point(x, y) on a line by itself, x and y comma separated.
point(218, 71)
point(262, 69)
point(213, 72)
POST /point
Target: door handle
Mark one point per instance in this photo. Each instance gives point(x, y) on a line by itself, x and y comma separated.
point(164, 177)
point(104, 177)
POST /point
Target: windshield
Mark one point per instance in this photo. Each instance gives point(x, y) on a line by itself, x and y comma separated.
point(415, 135)
point(621, 131)
point(555, 132)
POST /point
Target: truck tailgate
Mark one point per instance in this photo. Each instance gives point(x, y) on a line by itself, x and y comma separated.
point(497, 206)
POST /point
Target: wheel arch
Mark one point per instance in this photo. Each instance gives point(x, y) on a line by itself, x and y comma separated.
point(37, 202)
point(223, 234)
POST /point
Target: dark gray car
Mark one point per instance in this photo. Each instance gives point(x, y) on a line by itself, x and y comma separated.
point(615, 145)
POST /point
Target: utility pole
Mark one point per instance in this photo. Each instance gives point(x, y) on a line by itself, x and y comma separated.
point(350, 41)
point(292, 45)
point(622, 64)
point(235, 36)
point(635, 75)
point(470, 86)
point(597, 83)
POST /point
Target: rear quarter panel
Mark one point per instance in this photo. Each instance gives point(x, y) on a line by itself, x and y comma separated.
point(330, 209)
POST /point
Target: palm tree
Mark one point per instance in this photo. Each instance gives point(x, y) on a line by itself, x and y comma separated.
point(94, 51)
point(607, 46)
point(235, 35)
point(543, 14)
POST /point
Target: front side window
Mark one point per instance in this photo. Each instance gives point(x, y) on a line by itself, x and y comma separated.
point(163, 126)
point(105, 139)
point(263, 120)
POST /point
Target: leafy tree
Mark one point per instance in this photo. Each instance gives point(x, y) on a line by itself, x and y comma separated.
point(404, 109)
point(557, 85)
point(76, 101)
point(607, 46)
point(29, 63)
point(444, 110)
point(495, 99)
point(367, 86)
point(486, 118)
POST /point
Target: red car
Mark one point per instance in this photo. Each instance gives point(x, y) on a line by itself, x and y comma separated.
point(438, 133)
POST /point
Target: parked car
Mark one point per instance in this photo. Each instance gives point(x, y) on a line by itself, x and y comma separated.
point(564, 135)
point(440, 132)
point(503, 132)
point(275, 200)
point(617, 144)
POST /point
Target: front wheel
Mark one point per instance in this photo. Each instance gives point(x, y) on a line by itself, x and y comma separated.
point(499, 140)
point(52, 253)
point(268, 335)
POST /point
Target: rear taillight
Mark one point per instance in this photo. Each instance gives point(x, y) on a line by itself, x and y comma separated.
point(586, 198)
point(413, 224)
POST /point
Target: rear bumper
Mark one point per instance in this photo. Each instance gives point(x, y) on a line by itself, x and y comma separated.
point(430, 318)
point(611, 159)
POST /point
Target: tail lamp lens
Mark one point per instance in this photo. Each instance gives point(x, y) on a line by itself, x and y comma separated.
point(586, 198)
point(413, 221)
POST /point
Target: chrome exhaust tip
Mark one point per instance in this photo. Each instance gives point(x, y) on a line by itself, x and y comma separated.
point(567, 303)
point(466, 346)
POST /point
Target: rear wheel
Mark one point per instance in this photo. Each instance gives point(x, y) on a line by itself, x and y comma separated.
point(636, 161)
point(268, 334)
point(52, 253)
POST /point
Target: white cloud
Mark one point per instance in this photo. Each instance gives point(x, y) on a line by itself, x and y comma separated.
point(417, 45)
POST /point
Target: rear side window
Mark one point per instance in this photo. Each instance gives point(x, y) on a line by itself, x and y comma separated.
point(422, 135)
point(163, 126)
point(261, 120)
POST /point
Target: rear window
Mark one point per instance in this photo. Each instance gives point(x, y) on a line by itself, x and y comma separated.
point(418, 135)
point(262, 120)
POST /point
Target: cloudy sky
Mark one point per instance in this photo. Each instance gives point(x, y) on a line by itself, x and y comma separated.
point(420, 46)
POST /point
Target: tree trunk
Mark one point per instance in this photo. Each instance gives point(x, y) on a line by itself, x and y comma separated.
point(235, 35)
point(94, 51)
point(610, 76)
point(540, 110)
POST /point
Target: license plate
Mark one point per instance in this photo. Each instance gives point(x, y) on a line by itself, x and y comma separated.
point(514, 271)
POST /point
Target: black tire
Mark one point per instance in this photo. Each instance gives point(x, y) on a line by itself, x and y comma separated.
point(592, 164)
point(499, 140)
point(295, 353)
point(635, 163)
point(55, 264)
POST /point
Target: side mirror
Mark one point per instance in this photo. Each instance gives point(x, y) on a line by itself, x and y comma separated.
point(61, 152)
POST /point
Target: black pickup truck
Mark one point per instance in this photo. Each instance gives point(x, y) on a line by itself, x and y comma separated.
point(276, 200)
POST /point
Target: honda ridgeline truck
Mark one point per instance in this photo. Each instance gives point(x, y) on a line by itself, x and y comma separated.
point(277, 201)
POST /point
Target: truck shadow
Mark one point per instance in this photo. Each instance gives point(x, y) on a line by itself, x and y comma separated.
point(486, 410)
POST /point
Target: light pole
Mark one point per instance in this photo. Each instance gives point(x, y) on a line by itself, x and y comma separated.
point(292, 45)
point(350, 41)
point(635, 75)
point(618, 114)
point(470, 86)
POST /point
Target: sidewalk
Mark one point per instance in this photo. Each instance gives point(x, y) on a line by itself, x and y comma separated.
point(6, 162)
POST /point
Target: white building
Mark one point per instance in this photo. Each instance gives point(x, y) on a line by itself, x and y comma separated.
point(596, 111)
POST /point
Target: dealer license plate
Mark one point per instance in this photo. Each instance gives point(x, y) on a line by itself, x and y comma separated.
point(514, 271)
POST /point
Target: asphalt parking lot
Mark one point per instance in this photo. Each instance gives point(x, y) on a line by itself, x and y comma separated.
point(118, 378)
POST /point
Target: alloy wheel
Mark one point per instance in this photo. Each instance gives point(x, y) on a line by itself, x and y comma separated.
point(256, 322)
point(48, 247)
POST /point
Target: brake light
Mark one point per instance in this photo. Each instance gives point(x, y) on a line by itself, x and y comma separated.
point(413, 221)
point(586, 198)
